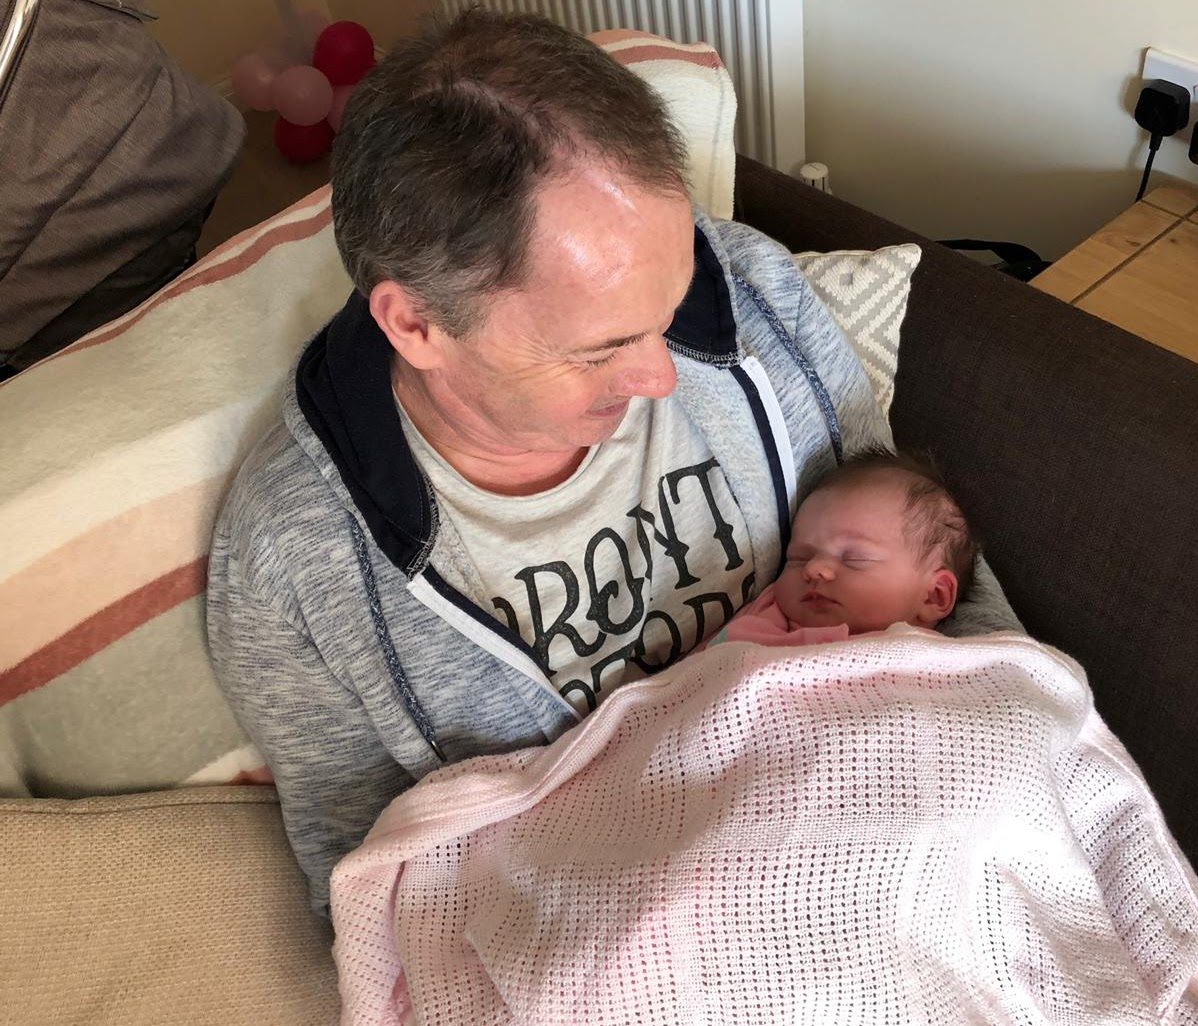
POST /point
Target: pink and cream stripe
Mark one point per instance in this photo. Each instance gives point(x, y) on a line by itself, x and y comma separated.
point(128, 442)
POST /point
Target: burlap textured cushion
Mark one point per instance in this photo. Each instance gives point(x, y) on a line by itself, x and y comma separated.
point(866, 291)
point(118, 452)
point(181, 907)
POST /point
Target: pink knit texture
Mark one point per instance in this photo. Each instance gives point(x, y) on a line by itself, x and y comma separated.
point(900, 828)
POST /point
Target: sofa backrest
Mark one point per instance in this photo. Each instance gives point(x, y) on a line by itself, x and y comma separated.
point(119, 450)
point(1073, 446)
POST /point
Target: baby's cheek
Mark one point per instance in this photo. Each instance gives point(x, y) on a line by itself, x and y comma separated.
point(788, 589)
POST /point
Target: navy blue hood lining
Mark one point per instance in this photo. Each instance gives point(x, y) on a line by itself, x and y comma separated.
point(773, 458)
point(704, 325)
point(343, 386)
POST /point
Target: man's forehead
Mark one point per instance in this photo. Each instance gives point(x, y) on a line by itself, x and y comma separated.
point(594, 225)
point(605, 264)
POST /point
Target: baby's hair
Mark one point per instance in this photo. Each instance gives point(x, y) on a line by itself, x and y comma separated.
point(934, 521)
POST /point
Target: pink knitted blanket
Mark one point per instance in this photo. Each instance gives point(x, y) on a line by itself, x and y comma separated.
point(899, 828)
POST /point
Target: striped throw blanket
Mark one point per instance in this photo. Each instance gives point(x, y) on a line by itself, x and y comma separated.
point(118, 452)
point(898, 828)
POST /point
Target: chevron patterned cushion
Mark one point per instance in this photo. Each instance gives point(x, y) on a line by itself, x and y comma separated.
point(866, 291)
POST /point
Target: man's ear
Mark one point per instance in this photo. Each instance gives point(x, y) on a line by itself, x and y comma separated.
point(420, 343)
point(941, 597)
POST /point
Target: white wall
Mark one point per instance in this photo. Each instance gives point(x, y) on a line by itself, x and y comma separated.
point(1000, 119)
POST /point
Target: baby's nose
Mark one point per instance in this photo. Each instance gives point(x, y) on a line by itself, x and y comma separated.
point(818, 569)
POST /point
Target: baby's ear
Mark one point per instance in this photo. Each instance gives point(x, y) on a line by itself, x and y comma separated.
point(941, 596)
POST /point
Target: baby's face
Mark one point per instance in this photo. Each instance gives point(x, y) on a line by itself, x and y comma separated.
point(849, 562)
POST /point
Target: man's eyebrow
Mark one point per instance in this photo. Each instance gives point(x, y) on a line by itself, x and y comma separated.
point(616, 343)
point(628, 340)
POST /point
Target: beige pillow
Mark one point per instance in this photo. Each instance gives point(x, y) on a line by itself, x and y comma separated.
point(866, 292)
point(119, 450)
point(163, 909)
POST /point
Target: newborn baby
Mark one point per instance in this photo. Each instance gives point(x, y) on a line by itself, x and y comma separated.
point(878, 541)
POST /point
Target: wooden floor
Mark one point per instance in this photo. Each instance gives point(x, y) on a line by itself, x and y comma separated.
point(263, 183)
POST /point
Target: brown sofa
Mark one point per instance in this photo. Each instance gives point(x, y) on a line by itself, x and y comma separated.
point(1074, 446)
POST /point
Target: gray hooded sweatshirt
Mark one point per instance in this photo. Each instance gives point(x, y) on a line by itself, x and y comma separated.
point(345, 619)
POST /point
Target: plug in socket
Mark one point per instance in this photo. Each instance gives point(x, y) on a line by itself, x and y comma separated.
point(1182, 70)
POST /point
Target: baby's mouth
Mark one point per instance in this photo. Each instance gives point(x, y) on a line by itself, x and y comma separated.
point(816, 599)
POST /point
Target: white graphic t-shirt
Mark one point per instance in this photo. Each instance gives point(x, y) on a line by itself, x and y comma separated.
point(619, 570)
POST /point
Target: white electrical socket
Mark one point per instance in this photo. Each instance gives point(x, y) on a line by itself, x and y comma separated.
point(1182, 70)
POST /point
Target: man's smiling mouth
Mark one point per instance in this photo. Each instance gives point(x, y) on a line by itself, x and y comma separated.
point(611, 409)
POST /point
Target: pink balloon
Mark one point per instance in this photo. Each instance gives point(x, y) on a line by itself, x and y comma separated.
point(253, 77)
point(302, 95)
point(340, 96)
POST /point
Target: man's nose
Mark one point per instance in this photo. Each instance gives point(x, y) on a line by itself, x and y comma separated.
point(649, 370)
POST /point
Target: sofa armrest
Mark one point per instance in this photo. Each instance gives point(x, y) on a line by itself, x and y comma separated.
point(171, 907)
point(1073, 445)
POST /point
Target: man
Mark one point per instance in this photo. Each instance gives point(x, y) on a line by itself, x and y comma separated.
point(546, 448)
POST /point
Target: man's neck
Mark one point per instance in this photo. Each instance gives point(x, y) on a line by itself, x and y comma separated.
point(505, 471)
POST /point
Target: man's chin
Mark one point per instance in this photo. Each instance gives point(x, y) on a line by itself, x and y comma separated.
point(598, 427)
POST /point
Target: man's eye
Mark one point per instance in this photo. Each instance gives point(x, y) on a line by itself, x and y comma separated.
point(603, 361)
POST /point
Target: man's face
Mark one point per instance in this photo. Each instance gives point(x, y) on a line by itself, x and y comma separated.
point(554, 364)
point(850, 562)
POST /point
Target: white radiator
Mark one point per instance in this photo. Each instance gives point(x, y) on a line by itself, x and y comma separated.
point(760, 42)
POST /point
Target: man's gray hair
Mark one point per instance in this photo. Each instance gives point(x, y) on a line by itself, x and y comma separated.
point(443, 144)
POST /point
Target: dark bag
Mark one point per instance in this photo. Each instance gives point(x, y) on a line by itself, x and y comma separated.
point(112, 156)
point(1013, 259)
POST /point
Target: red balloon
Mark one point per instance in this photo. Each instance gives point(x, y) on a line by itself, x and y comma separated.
point(344, 52)
point(302, 144)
